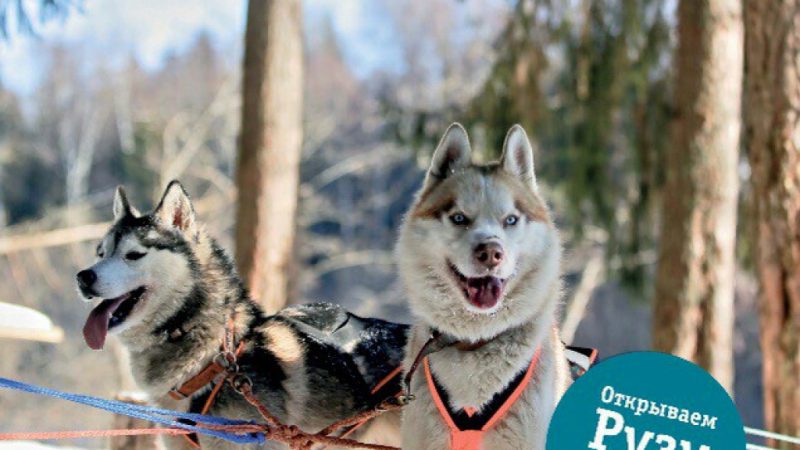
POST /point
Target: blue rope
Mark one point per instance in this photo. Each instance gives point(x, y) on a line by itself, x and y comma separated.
point(160, 416)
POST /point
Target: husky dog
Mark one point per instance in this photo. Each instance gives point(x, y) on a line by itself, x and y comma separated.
point(480, 258)
point(170, 293)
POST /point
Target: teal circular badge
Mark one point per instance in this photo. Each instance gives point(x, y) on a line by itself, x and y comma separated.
point(646, 401)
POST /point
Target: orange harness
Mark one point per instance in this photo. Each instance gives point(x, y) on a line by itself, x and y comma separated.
point(469, 434)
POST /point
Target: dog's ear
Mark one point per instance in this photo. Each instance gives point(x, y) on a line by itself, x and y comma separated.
point(517, 156)
point(122, 207)
point(452, 153)
point(175, 210)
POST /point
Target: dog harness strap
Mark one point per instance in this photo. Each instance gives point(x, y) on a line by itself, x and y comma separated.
point(387, 382)
point(498, 416)
point(197, 382)
point(472, 439)
point(208, 375)
point(427, 348)
point(215, 369)
point(580, 359)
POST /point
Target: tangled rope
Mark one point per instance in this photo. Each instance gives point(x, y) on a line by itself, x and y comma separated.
point(180, 423)
point(298, 439)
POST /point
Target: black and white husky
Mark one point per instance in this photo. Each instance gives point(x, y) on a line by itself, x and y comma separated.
point(168, 292)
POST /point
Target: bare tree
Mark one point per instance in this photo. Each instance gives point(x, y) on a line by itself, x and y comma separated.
point(772, 105)
point(22, 13)
point(72, 117)
point(693, 315)
point(78, 139)
point(269, 152)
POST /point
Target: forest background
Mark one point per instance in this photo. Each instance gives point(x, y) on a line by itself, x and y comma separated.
point(664, 134)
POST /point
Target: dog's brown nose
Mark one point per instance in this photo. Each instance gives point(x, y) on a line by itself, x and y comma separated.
point(488, 254)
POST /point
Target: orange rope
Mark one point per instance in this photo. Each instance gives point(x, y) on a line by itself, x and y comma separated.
point(50, 435)
point(361, 418)
point(297, 439)
point(274, 430)
point(397, 370)
point(211, 397)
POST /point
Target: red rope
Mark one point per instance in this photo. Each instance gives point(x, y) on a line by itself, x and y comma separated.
point(50, 435)
point(287, 434)
point(291, 435)
point(297, 439)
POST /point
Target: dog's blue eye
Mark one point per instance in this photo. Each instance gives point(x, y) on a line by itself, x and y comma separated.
point(133, 256)
point(511, 220)
point(459, 219)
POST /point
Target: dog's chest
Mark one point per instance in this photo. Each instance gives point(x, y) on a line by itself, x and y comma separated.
point(473, 379)
point(523, 426)
point(512, 410)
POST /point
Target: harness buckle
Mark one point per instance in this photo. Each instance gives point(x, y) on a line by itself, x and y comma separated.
point(227, 360)
point(241, 382)
point(405, 399)
point(176, 394)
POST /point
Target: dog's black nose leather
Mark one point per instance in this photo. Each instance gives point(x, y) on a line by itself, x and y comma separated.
point(86, 278)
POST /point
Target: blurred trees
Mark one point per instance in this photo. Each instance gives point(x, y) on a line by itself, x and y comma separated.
point(595, 84)
point(72, 118)
point(772, 104)
point(10, 124)
point(592, 85)
point(88, 128)
point(591, 79)
point(186, 109)
point(693, 315)
point(21, 14)
point(269, 149)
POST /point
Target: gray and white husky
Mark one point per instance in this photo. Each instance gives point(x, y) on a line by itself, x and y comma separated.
point(168, 292)
point(479, 256)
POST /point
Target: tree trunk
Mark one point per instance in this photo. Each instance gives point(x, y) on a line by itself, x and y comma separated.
point(693, 315)
point(771, 113)
point(269, 152)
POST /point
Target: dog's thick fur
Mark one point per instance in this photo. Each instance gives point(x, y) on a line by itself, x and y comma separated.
point(434, 252)
point(310, 365)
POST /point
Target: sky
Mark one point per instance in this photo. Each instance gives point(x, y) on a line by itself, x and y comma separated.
point(108, 31)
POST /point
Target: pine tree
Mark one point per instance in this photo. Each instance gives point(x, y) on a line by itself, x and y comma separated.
point(693, 316)
point(772, 100)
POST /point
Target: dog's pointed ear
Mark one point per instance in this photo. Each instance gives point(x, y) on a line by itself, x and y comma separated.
point(517, 156)
point(175, 210)
point(452, 153)
point(122, 207)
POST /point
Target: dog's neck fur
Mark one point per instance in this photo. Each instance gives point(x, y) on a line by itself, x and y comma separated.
point(486, 374)
point(190, 335)
point(512, 336)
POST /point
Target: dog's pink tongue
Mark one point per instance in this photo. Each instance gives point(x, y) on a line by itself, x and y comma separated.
point(485, 292)
point(96, 327)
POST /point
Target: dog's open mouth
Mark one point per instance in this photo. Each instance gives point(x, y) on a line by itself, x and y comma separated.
point(109, 314)
point(481, 292)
